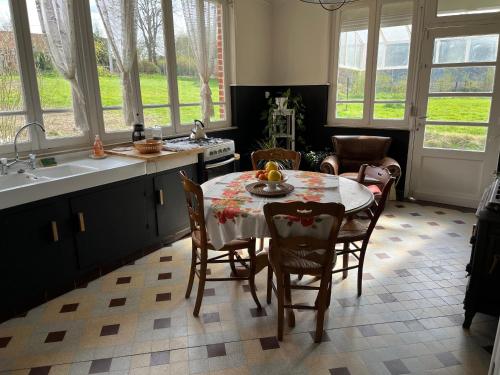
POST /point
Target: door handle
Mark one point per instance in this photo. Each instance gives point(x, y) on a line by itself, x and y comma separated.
point(161, 197)
point(55, 231)
point(81, 221)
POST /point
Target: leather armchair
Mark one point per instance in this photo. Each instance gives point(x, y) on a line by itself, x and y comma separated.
point(351, 152)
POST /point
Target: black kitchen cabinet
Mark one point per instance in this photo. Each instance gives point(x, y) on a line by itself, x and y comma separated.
point(110, 223)
point(171, 211)
point(38, 255)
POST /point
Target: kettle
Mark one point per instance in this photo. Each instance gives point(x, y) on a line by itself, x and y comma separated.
point(198, 132)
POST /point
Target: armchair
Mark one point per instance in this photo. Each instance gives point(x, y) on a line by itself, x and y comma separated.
point(351, 152)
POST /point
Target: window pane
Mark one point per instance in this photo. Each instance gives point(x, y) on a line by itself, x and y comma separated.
point(187, 74)
point(350, 110)
point(189, 114)
point(462, 49)
point(219, 113)
point(389, 111)
point(467, 79)
point(9, 124)
point(463, 138)
point(157, 116)
point(11, 91)
point(454, 7)
point(54, 90)
point(110, 82)
point(151, 53)
point(114, 122)
point(463, 109)
point(352, 61)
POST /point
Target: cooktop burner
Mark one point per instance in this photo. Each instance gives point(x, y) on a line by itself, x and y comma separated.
point(200, 142)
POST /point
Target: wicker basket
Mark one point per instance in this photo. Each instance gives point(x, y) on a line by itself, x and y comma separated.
point(148, 146)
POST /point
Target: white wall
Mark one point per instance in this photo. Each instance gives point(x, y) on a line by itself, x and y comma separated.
point(301, 43)
point(251, 42)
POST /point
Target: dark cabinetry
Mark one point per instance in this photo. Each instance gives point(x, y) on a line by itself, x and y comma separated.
point(46, 247)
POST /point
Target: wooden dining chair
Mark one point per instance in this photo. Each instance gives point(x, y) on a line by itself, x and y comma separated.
point(276, 154)
point(303, 237)
point(358, 229)
point(201, 245)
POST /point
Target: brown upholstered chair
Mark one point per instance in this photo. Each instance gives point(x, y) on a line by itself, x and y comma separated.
point(356, 229)
point(201, 245)
point(353, 151)
point(298, 249)
point(276, 154)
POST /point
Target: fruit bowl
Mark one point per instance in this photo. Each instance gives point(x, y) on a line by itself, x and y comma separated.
point(273, 185)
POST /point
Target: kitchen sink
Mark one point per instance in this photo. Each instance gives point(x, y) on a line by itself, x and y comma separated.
point(61, 171)
point(13, 181)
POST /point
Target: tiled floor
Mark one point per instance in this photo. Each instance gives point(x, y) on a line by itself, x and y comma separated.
point(136, 320)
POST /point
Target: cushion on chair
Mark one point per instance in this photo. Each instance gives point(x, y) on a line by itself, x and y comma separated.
point(375, 190)
point(353, 230)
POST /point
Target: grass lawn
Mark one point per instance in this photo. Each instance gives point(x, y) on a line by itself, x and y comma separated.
point(473, 109)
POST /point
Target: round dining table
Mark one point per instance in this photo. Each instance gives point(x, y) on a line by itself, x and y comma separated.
point(231, 212)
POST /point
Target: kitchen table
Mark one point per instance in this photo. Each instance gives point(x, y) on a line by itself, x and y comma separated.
point(231, 212)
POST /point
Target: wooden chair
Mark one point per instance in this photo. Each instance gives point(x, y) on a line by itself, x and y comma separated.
point(276, 154)
point(201, 245)
point(359, 229)
point(298, 248)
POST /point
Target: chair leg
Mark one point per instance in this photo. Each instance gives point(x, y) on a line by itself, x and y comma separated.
point(288, 300)
point(281, 310)
point(192, 271)
point(232, 263)
point(329, 294)
point(251, 276)
point(321, 306)
point(261, 244)
point(201, 283)
point(345, 260)
point(269, 283)
point(360, 269)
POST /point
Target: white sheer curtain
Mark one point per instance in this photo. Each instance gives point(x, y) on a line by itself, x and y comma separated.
point(201, 25)
point(119, 18)
point(57, 23)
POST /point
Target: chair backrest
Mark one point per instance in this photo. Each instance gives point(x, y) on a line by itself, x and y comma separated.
point(194, 200)
point(385, 182)
point(276, 154)
point(353, 151)
point(306, 230)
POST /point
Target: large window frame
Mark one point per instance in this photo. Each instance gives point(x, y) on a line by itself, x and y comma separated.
point(174, 105)
point(374, 24)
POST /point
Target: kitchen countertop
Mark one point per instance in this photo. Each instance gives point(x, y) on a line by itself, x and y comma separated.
point(130, 151)
point(114, 168)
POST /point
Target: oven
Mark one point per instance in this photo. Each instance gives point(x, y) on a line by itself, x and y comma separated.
point(217, 167)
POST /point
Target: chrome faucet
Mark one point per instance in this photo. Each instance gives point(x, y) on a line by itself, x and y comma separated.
point(31, 162)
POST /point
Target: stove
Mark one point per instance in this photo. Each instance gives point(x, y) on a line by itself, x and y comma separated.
point(218, 157)
point(214, 148)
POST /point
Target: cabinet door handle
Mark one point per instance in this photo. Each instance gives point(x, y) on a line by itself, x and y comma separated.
point(81, 220)
point(161, 197)
point(55, 231)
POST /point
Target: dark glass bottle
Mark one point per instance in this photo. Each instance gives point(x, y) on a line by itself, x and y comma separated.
point(139, 132)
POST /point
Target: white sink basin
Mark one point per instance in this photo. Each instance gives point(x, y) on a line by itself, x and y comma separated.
point(61, 171)
point(13, 181)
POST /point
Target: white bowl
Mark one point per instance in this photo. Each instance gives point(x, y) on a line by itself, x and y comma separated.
point(274, 185)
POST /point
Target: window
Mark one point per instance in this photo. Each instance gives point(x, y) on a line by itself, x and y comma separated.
point(167, 96)
point(12, 108)
point(455, 8)
point(53, 89)
point(372, 78)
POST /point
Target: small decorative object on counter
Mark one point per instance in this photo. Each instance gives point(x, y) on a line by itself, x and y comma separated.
point(98, 147)
point(157, 133)
point(148, 146)
point(139, 132)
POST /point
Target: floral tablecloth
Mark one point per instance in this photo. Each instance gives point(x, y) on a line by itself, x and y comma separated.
point(231, 212)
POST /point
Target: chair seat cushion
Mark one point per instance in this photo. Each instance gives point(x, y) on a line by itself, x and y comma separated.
point(353, 230)
point(233, 245)
point(374, 189)
point(305, 262)
point(354, 176)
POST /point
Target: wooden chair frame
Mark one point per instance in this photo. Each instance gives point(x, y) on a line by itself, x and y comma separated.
point(276, 154)
point(200, 245)
point(373, 212)
point(303, 244)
